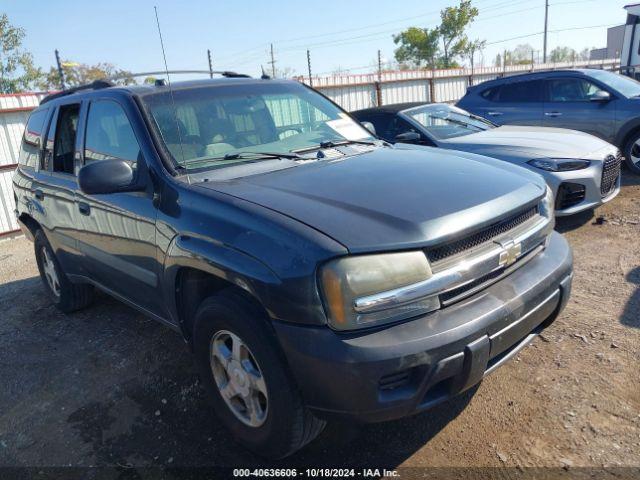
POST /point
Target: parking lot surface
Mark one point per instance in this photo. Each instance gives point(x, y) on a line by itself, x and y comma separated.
point(109, 387)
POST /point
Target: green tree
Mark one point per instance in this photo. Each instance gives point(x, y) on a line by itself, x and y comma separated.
point(454, 21)
point(17, 72)
point(80, 73)
point(562, 54)
point(418, 47)
point(470, 48)
point(439, 46)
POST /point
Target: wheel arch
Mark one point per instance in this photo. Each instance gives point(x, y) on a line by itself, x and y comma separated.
point(195, 269)
point(627, 131)
point(30, 224)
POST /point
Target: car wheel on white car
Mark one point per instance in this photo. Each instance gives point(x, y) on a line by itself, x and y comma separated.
point(632, 152)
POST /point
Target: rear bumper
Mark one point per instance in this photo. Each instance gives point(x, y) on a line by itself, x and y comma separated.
point(407, 368)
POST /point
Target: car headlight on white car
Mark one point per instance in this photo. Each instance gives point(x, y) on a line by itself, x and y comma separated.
point(559, 164)
point(360, 291)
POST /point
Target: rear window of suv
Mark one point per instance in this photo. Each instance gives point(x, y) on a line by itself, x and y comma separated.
point(515, 92)
point(30, 151)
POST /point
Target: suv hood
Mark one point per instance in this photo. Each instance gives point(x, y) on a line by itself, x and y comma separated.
point(391, 198)
point(529, 142)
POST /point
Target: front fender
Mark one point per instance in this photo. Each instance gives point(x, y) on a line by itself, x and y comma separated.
point(625, 130)
point(219, 260)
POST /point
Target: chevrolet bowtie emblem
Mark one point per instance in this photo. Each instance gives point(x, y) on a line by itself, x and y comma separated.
point(510, 254)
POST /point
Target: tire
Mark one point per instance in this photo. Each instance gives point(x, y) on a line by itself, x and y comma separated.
point(286, 424)
point(66, 295)
point(630, 152)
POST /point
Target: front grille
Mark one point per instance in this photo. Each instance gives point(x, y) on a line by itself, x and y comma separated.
point(569, 194)
point(467, 243)
point(610, 174)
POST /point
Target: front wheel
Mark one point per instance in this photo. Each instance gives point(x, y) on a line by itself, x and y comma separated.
point(632, 153)
point(247, 379)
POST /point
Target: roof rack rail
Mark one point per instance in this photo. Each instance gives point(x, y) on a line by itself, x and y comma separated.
point(95, 85)
point(224, 73)
point(108, 81)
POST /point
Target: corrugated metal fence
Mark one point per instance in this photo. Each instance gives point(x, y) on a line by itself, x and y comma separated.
point(352, 92)
point(14, 111)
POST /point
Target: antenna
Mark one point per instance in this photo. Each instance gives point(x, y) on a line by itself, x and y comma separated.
point(173, 102)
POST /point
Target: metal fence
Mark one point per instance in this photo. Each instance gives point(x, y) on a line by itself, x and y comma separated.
point(14, 111)
point(352, 92)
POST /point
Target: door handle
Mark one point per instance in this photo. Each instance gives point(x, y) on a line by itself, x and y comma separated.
point(494, 114)
point(553, 114)
point(84, 208)
point(39, 194)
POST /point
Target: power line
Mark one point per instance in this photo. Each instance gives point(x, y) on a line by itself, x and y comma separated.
point(304, 46)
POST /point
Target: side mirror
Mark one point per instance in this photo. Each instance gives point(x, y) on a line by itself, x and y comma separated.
point(108, 176)
point(600, 96)
point(369, 126)
point(408, 137)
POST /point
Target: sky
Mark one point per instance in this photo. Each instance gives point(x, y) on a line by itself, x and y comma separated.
point(341, 34)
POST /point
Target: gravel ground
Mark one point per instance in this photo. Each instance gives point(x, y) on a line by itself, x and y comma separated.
point(109, 387)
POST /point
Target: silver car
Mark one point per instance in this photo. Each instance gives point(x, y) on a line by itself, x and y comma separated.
point(582, 170)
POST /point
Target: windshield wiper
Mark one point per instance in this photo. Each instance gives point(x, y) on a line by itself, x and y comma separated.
point(261, 155)
point(332, 144)
point(460, 122)
point(245, 155)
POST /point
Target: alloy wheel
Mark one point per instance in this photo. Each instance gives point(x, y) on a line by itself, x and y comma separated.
point(50, 273)
point(239, 378)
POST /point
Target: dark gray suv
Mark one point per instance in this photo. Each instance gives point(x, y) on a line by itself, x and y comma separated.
point(602, 103)
point(314, 271)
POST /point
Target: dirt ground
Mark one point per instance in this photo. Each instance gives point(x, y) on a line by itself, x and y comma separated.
point(109, 387)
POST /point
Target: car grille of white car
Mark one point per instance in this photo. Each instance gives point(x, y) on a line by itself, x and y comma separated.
point(610, 174)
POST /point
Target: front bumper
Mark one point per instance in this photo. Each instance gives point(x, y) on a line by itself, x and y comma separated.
point(590, 178)
point(403, 369)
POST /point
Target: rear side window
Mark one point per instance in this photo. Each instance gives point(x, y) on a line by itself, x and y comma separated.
point(571, 90)
point(31, 140)
point(109, 134)
point(516, 92)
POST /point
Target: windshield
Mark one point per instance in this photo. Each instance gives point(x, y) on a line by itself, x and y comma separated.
point(213, 126)
point(445, 121)
point(625, 85)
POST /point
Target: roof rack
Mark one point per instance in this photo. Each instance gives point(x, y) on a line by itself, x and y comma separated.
point(108, 81)
point(95, 85)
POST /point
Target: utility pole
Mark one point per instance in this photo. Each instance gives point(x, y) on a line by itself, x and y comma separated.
point(273, 64)
point(379, 82)
point(546, 24)
point(309, 67)
point(60, 72)
point(210, 64)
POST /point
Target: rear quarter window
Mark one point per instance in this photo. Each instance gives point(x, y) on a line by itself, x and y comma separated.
point(515, 92)
point(32, 139)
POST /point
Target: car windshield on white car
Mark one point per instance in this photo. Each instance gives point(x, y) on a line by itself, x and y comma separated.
point(211, 127)
point(445, 121)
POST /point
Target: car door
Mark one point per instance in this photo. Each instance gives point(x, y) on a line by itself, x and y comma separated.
point(569, 104)
point(55, 184)
point(513, 103)
point(118, 229)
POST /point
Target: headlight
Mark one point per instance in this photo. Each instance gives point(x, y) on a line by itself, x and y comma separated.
point(358, 291)
point(559, 164)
